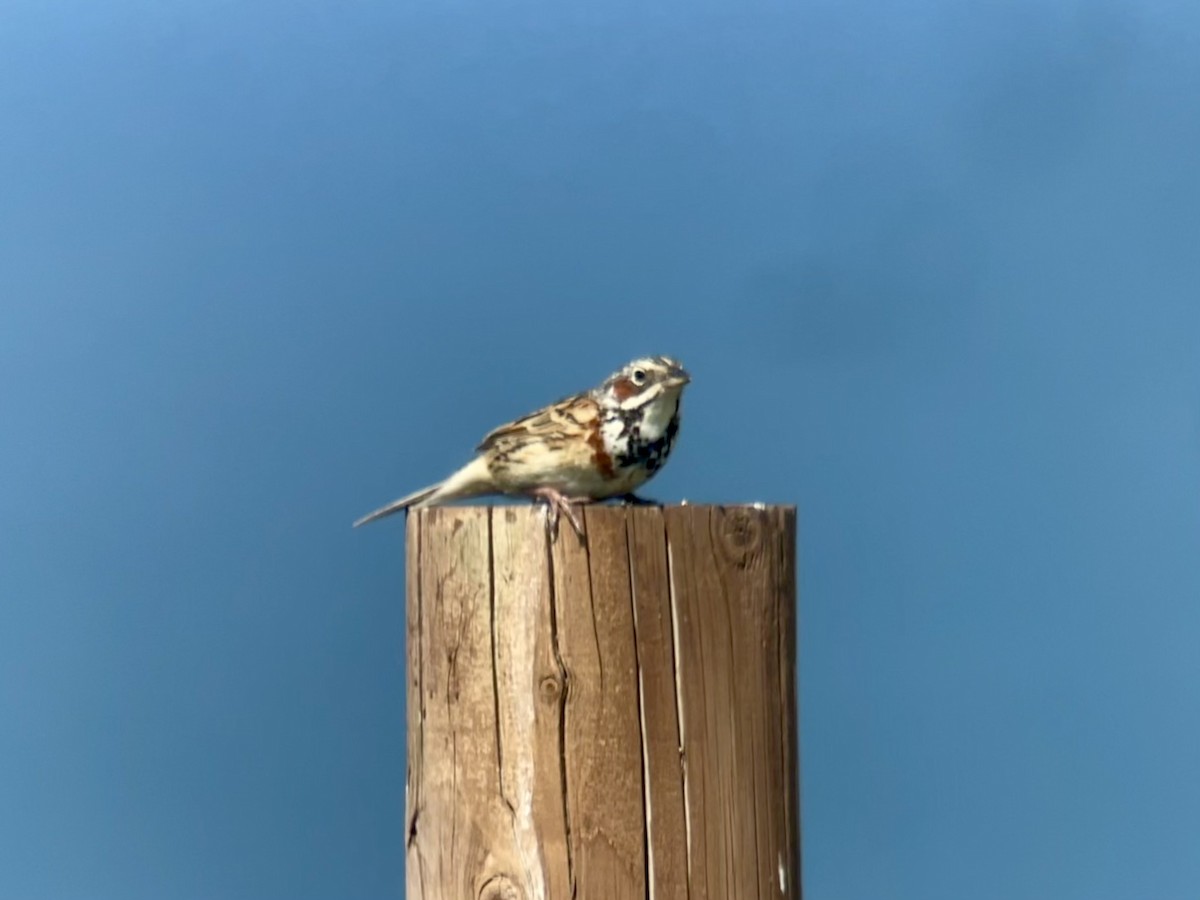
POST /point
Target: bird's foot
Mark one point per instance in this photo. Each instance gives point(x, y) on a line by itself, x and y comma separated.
point(558, 503)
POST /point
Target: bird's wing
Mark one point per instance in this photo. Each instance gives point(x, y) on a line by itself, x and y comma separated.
point(553, 422)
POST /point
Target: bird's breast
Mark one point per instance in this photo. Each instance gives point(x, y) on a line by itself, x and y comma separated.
point(641, 439)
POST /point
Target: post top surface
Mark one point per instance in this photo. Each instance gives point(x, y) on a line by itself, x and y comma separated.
point(758, 505)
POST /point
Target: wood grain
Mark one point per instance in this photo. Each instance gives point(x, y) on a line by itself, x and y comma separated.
point(733, 577)
point(609, 719)
point(663, 776)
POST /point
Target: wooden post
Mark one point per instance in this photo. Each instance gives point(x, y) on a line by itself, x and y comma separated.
point(601, 722)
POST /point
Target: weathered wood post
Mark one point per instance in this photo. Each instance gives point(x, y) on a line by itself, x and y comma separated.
point(609, 721)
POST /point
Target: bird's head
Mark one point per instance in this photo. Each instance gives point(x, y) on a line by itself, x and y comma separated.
point(644, 381)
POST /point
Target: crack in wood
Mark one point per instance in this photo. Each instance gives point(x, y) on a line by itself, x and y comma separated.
point(565, 679)
point(416, 660)
point(415, 667)
point(491, 564)
point(673, 596)
point(592, 607)
point(647, 832)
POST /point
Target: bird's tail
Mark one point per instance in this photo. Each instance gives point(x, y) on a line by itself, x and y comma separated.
point(472, 480)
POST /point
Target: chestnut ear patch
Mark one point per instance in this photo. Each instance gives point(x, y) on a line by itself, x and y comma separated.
point(623, 389)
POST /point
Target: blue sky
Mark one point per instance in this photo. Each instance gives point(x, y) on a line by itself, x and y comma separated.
point(264, 266)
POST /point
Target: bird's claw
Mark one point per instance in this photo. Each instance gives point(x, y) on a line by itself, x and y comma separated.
point(558, 504)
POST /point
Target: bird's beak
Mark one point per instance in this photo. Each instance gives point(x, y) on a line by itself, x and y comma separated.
point(678, 377)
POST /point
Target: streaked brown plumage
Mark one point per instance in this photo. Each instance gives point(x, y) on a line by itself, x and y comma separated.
point(606, 442)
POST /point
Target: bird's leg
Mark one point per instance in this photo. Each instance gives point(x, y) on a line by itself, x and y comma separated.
point(632, 499)
point(556, 503)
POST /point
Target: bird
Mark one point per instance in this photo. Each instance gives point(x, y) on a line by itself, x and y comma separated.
point(599, 444)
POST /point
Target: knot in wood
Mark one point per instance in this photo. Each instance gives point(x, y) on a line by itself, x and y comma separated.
point(550, 690)
point(740, 534)
point(499, 887)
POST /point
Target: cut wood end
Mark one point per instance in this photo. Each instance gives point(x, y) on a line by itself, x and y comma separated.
point(758, 505)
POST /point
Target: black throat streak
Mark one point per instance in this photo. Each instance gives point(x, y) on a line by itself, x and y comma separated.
point(636, 451)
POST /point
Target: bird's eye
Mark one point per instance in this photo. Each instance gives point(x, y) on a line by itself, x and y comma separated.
point(639, 376)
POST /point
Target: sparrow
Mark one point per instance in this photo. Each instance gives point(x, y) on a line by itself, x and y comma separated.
point(600, 444)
